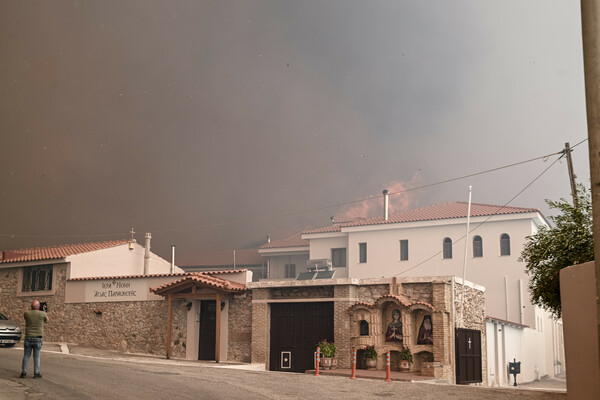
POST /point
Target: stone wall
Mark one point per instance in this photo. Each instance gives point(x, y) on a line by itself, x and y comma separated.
point(474, 318)
point(240, 328)
point(138, 326)
point(301, 292)
point(261, 323)
point(342, 331)
point(368, 293)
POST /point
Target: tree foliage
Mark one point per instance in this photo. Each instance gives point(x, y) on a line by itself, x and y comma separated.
point(570, 242)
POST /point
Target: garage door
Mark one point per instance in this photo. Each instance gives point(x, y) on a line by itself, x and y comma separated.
point(296, 328)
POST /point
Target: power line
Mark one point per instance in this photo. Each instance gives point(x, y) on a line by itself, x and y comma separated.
point(488, 218)
point(291, 213)
point(545, 157)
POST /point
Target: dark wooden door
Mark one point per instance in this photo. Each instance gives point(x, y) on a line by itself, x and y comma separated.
point(468, 356)
point(208, 326)
point(296, 328)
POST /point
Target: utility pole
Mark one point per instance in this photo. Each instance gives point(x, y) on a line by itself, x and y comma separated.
point(590, 26)
point(572, 175)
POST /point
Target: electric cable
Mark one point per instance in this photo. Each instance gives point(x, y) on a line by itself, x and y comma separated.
point(485, 220)
point(305, 211)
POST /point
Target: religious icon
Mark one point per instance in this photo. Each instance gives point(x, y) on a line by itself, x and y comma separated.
point(394, 330)
point(425, 331)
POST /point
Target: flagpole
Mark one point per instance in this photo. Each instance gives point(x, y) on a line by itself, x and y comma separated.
point(462, 300)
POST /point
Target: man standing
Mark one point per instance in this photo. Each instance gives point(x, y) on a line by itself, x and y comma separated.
point(34, 331)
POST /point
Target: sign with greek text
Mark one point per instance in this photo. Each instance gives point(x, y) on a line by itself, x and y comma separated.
point(116, 290)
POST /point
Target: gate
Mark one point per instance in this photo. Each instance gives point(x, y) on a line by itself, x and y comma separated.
point(468, 356)
point(296, 328)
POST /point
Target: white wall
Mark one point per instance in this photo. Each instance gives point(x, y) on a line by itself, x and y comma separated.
point(277, 264)
point(505, 298)
point(116, 261)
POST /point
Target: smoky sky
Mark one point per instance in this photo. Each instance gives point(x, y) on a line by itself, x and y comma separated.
point(211, 124)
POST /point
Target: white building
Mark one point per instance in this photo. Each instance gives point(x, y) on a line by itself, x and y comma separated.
point(430, 241)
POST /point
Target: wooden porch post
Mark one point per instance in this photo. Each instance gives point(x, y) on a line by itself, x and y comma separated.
point(218, 330)
point(169, 323)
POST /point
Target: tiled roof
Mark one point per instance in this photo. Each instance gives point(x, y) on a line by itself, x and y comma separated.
point(457, 209)
point(95, 278)
point(220, 258)
point(386, 297)
point(292, 241)
point(202, 279)
point(56, 252)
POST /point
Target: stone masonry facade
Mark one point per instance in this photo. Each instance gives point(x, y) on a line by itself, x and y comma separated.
point(373, 300)
point(136, 327)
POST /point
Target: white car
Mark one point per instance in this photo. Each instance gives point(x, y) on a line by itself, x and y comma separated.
point(10, 333)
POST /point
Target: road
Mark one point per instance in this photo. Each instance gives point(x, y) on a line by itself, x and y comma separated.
point(112, 376)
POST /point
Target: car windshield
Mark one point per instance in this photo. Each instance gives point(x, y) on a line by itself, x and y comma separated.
point(2, 316)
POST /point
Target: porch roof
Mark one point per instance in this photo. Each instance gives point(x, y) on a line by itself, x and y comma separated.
point(194, 281)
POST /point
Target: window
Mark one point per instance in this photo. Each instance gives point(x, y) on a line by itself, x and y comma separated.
point(364, 328)
point(504, 245)
point(37, 278)
point(338, 257)
point(362, 252)
point(403, 250)
point(477, 246)
point(290, 270)
point(447, 248)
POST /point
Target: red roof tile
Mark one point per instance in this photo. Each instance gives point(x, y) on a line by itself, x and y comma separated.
point(56, 252)
point(292, 241)
point(386, 297)
point(95, 278)
point(202, 279)
point(221, 258)
point(157, 275)
point(457, 209)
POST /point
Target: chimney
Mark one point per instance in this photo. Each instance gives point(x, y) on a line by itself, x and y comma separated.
point(269, 238)
point(385, 204)
point(172, 258)
point(147, 253)
point(332, 220)
point(233, 259)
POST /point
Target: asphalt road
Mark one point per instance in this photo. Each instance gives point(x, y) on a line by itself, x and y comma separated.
point(113, 376)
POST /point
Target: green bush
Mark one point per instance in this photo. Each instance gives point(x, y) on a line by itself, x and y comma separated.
point(370, 352)
point(328, 349)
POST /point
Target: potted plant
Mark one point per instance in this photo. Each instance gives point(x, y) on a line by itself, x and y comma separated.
point(406, 358)
point(371, 357)
point(328, 351)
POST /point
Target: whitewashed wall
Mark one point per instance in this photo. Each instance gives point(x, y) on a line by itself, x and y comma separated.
point(116, 261)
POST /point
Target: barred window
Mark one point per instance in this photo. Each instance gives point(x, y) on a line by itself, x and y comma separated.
point(37, 278)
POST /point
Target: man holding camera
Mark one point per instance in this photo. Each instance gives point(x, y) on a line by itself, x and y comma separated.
point(34, 331)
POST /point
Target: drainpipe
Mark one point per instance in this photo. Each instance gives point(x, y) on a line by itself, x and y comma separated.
point(147, 253)
point(506, 296)
point(521, 306)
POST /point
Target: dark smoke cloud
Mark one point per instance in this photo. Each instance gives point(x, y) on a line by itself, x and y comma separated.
point(199, 120)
